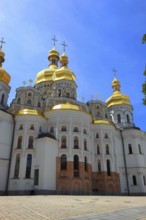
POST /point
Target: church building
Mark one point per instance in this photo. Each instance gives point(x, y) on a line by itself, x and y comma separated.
point(58, 145)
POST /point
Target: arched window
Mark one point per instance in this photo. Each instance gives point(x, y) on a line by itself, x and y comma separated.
point(76, 143)
point(106, 135)
point(2, 99)
point(139, 148)
point(17, 166)
point(98, 149)
point(51, 130)
point(63, 162)
point(59, 92)
point(29, 101)
point(134, 180)
point(19, 101)
point(85, 164)
point(128, 120)
point(97, 135)
point(28, 166)
point(63, 128)
point(85, 145)
point(144, 180)
point(84, 131)
point(76, 129)
point(31, 127)
point(39, 104)
point(108, 167)
point(21, 127)
point(98, 114)
point(130, 149)
point(76, 162)
point(99, 166)
point(53, 61)
point(63, 142)
point(19, 142)
point(107, 149)
point(30, 142)
point(119, 118)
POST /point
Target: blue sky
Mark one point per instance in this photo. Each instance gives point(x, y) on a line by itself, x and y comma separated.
point(100, 34)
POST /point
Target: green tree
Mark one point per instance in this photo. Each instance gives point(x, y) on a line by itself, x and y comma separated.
point(144, 84)
point(144, 39)
point(144, 89)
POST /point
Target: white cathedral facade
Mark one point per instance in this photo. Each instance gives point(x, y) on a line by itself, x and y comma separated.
point(51, 141)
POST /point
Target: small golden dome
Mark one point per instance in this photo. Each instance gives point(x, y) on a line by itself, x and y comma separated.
point(116, 85)
point(64, 60)
point(4, 76)
point(29, 112)
point(117, 98)
point(66, 106)
point(63, 73)
point(2, 56)
point(46, 74)
point(53, 53)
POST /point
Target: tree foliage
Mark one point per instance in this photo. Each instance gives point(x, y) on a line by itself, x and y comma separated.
point(144, 89)
point(144, 84)
point(144, 39)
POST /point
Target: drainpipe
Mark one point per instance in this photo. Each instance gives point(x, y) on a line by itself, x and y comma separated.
point(125, 164)
point(9, 167)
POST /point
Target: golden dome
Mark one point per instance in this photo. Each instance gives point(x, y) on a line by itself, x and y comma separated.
point(66, 106)
point(4, 76)
point(29, 112)
point(63, 73)
point(117, 98)
point(2, 55)
point(46, 74)
point(104, 122)
point(53, 53)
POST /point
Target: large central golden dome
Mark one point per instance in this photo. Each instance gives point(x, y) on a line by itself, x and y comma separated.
point(66, 106)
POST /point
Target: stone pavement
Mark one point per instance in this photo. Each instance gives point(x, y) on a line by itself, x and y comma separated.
point(72, 208)
point(128, 214)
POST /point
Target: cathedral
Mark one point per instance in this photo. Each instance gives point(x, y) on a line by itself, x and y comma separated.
point(55, 144)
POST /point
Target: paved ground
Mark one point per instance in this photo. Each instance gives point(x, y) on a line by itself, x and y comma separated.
point(72, 208)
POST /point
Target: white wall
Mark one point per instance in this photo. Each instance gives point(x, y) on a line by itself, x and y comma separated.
point(46, 153)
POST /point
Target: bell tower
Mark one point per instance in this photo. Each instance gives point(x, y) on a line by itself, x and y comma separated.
point(119, 107)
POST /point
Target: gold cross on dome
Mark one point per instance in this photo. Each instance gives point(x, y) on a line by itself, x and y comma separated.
point(114, 70)
point(2, 42)
point(64, 45)
point(55, 40)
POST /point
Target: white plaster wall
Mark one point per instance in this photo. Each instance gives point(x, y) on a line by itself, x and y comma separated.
point(103, 129)
point(46, 153)
point(3, 174)
point(6, 131)
point(26, 120)
point(71, 119)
